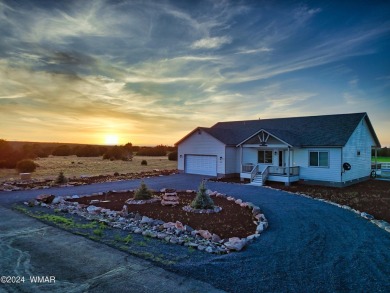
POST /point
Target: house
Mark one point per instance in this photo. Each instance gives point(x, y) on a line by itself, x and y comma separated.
point(329, 149)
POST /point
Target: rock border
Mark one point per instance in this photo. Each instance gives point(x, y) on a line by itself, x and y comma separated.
point(142, 201)
point(189, 209)
point(175, 233)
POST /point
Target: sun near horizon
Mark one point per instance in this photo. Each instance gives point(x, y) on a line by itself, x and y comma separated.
point(111, 139)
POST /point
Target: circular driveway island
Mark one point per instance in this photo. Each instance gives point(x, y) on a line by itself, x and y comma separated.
point(310, 246)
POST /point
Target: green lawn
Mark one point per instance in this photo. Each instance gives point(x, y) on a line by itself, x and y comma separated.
point(381, 159)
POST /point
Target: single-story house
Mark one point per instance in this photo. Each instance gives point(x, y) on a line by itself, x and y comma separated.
point(329, 149)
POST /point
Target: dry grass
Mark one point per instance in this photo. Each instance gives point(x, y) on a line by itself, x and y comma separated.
point(75, 166)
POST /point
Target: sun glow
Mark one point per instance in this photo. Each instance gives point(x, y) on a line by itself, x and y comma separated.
point(111, 139)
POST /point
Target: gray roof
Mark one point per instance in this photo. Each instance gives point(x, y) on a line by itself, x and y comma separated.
point(325, 130)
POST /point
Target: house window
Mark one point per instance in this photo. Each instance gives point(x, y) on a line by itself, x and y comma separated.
point(265, 157)
point(319, 159)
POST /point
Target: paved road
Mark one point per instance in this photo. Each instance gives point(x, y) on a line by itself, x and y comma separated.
point(310, 246)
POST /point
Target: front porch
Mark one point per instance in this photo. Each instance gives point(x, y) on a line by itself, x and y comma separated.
point(258, 174)
point(266, 157)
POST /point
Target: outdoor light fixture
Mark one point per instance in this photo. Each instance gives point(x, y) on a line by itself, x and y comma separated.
point(220, 158)
point(181, 156)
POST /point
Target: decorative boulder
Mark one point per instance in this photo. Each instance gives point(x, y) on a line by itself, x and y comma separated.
point(45, 198)
point(125, 211)
point(236, 243)
point(205, 234)
point(179, 226)
point(93, 209)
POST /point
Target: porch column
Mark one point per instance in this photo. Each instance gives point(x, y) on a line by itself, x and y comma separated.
point(288, 167)
point(376, 159)
point(241, 155)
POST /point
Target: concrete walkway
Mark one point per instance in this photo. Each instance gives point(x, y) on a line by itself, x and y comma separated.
point(310, 246)
point(29, 248)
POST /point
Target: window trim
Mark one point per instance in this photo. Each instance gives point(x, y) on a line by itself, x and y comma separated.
point(318, 158)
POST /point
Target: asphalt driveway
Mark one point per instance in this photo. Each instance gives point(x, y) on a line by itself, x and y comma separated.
point(310, 246)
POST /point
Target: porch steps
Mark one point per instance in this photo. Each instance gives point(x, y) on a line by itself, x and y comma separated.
point(258, 180)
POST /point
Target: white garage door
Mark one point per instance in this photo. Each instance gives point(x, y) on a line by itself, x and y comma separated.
point(203, 165)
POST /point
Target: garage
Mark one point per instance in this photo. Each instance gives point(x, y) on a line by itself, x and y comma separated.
point(200, 164)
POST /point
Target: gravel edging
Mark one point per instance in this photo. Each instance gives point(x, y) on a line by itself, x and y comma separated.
point(380, 223)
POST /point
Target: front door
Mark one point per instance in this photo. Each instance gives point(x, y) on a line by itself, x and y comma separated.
point(280, 159)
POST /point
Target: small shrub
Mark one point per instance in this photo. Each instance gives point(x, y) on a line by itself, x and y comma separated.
point(27, 165)
point(142, 192)
point(202, 199)
point(172, 156)
point(98, 232)
point(144, 163)
point(61, 179)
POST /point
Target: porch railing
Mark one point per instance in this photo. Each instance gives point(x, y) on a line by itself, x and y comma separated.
point(254, 172)
point(265, 174)
point(294, 171)
point(275, 170)
point(247, 168)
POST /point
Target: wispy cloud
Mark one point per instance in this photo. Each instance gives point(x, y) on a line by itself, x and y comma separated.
point(211, 43)
point(254, 51)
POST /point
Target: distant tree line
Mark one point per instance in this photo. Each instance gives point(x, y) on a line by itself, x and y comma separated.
point(383, 152)
point(11, 154)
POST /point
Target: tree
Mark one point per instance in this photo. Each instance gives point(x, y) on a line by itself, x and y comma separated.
point(5, 149)
point(62, 150)
point(143, 192)
point(172, 156)
point(24, 166)
point(202, 199)
point(87, 151)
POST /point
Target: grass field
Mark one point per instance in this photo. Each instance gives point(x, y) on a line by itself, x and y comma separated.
point(76, 166)
point(381, 159)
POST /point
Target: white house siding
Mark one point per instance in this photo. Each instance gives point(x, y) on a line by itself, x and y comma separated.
point(360, 140)
point(201, 144)
point(249, 155)
point(232, 160)
point(329, 174)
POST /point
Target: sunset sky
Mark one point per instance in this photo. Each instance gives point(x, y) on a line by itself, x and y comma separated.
point(148, 72)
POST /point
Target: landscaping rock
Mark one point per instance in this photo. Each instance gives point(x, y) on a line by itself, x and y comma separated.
point(169, 225)
point(215, 238)
point(146, 220)
point(57, 200)
point(367, 216)
point(124, 211)
point(260, 228)
point(93, 209)
point(201, 247)
point(235, 243)
point(45, 198)
point(179, 226)
point(188, 228)
point(205, 234)
point(161, 235)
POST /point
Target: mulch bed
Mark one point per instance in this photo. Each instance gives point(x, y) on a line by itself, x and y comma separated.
point(232, 221)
